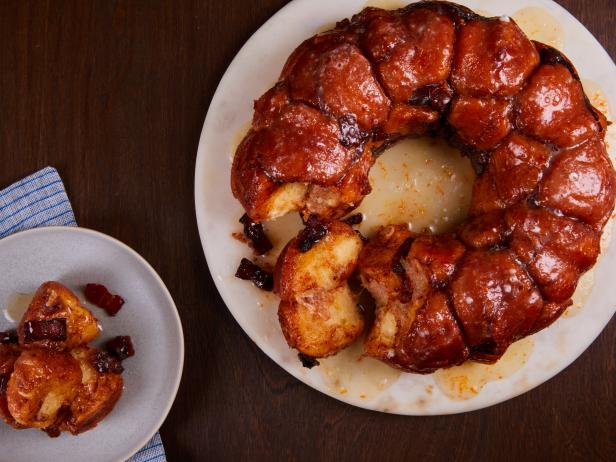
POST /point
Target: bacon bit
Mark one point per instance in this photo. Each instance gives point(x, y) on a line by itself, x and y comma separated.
point(254, 232)
point(8, 337)
point(101, 297)
point(311, 234)
point(121, 347)
point(249, 271)
point(436, 96)
point(48, 329)
point(354, 219)
point(105, 362)
point(350, 133)
point(308, 361)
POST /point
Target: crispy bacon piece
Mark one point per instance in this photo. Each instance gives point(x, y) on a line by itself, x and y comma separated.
point(99, 295)
point(254, 231)
point(121, 347)
point(250, 271)
point(47, 329)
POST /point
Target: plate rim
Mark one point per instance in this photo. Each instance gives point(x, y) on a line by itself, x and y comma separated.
point(152, 272)
point(201, 218)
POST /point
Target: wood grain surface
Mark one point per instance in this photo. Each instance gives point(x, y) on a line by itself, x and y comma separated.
point(114, 94)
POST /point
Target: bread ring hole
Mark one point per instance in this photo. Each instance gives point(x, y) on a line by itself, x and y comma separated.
point(423, 182)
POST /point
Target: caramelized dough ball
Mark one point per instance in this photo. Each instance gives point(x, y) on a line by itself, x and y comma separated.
point(336, 77)
point(581, 184)
point(52, 300)
point(336, 201)
point(434, 339)
point(480, 122)
point(556, 249)
point(495, 300)
point(411, 50)
point(303, 145)
point(485, 197)
point(262, 198)
point(552, 107)
point(414, 329)
point(322, 322)
point(327, 265)
point(439, 254)
point(97, 394)
point(407, 120)
point(483, 231)
point(517, 166)
point(43, 382)
point(513, 172)
point(318, 313)
point(493, 56)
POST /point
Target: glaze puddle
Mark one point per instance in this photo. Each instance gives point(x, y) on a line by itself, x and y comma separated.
point(538, 24)
point(349, 373)
point(16, 306)
point(422, 182)
point(467, 380)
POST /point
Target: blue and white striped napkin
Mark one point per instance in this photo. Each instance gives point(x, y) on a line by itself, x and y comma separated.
point(40, 200)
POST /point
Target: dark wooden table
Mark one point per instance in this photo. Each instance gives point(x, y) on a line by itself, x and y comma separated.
point(114, 94)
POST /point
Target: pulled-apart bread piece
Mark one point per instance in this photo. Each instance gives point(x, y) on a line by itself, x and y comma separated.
point(414, 329)
point(61, 391)
point(101, 388)
point(8, 356)
point(318, 313)
point(42, 385)
point(56, 320)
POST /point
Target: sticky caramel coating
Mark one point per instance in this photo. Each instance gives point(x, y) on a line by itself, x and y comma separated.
point(52, 300)
point(434, 340)
point(95, 398)
point(483, 231)
point(419, 55)
point(553, 107)
point(481, 123)
point(495, 300)
point(555, 249)
point(8, 356)
point(581, 184)
point(333, 75)
point(414, 329)
point(439, 254)
point(544, 191)
point(42, 383)
point(492, 57)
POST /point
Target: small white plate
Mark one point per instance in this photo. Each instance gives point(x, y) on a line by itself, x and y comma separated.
point(75, 257)
point(254, 70)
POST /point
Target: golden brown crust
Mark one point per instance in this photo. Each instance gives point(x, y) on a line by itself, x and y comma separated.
point(51, 301)
point(97, 395)
point(318, 313)
point(42, 383)
point(493, 57)
point(544, 191)
point(8, 356)
point(51, 384)
point(414, 328)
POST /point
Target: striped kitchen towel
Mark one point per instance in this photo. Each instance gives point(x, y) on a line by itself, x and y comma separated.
point(40, 200)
